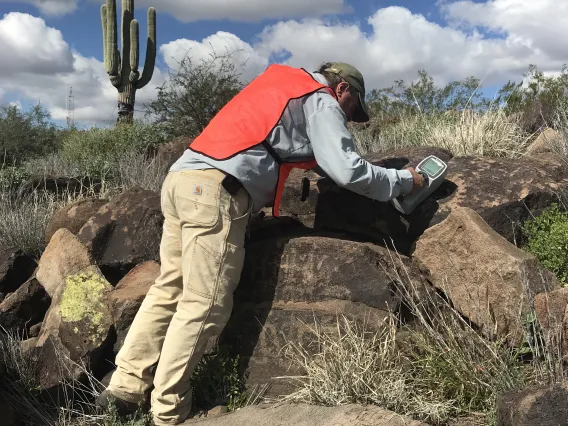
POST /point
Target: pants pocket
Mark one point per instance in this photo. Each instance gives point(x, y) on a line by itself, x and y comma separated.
point(215, 274)
point(203, 268)
point(198, 204)
point(230, 274)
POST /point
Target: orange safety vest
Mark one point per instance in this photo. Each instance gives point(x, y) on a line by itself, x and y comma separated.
point(248, 119)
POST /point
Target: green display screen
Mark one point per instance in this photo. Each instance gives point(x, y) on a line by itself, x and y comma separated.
point(431, 167)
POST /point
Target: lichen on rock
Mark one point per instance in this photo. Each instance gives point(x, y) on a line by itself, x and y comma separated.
point(84, 301)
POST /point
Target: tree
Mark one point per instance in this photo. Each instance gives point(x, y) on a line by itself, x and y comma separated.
point(25, 135)
point(193, 95)
point(424, 97)
point(538, 99)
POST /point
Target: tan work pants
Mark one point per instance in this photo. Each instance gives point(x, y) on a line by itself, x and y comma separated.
point(202, 254)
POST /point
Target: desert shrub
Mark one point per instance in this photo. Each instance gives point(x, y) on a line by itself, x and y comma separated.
point(422, 96)
point(23, 222)
point(11, 177)
point(217, 381)
point(489, 133)
point(548, 240)
point(25, 134)
point(193, 94)
point(434, 368)
point(136, 170)
point(95, 152)
point(536, 99)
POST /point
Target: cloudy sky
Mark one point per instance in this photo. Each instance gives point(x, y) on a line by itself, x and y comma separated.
point(48, 46)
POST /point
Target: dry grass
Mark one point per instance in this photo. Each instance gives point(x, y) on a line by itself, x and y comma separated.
point(19, 388)
point(23, 220)
point(137, 170)
point(435, 368)
point(490, 134)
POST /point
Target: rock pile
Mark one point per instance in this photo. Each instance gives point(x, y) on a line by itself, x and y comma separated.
point(331, 252)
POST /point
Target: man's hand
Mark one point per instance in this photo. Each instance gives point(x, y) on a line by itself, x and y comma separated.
point(418, 179)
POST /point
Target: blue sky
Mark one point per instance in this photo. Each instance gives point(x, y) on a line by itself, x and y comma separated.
point(82, 28)
point(58, 43)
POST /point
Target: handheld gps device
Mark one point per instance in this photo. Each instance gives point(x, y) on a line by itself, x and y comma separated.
point(434, 171)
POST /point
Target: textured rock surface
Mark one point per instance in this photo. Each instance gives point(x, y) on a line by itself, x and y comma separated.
point(73, 216)
point(124, 232)
point(504, 191)
point(76, 328)
point(288, 284)
point(24, 308)
point(542, 406)
point(544, 142)
point(127, 296)
point(308, 415)
point(65, 255)
point(15, 269)
point(552, 313)
point(488, 279)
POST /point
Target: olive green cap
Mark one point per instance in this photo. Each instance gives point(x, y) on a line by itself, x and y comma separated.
point(352, 76)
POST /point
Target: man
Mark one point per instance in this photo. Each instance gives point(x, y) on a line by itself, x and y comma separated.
point(285, 118)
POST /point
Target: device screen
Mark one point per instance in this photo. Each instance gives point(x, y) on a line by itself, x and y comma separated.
point(431, 167)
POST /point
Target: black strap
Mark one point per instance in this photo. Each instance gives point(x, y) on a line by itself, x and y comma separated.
point(272, 152)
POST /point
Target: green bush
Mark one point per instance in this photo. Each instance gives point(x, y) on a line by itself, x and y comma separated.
point(25, 134)
point(95, 152)
point(216, 381)
point(194, 94)
point(12, 177)
point(548, 240)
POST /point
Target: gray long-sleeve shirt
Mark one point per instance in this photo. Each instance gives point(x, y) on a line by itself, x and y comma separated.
point(312, 126)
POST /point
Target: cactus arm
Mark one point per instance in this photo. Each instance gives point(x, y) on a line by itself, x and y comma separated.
point(150, 60)
point(134, 51)
point(105, 35)
point(127, 17)
point(110, 39)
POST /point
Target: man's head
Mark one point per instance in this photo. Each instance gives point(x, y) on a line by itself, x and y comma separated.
point(349, 86)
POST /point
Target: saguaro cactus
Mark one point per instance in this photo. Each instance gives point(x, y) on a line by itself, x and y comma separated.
point(124, 74)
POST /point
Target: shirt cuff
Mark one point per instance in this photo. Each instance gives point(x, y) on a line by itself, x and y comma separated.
point(406, 181)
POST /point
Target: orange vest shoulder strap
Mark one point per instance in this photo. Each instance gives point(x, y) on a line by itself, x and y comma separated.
point(248, 118)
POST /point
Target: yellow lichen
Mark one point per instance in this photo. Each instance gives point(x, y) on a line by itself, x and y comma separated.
point(83, 301)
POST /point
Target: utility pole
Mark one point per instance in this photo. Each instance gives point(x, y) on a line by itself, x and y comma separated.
point(71, 108)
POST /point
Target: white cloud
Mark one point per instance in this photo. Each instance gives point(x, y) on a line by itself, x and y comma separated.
point(43, 68)
point(246, 10)
point(538, 25)
point(242, 54)
point(32, 46)
point(51, 7)
point(195, 10)
point(400, 44)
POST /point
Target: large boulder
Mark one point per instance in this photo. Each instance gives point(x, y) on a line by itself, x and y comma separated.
point(504, 191)
point(542, 406)
point(487, 279)
point(551, 311)
point(76, 329)
point(73, 216)
point(127, 296)
point(287, 285)
point(64, 255)
point(124, 233)
point(15, 269)
point(319, 203)
point(544, 142)
point(24, 308)
point(308, 415)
